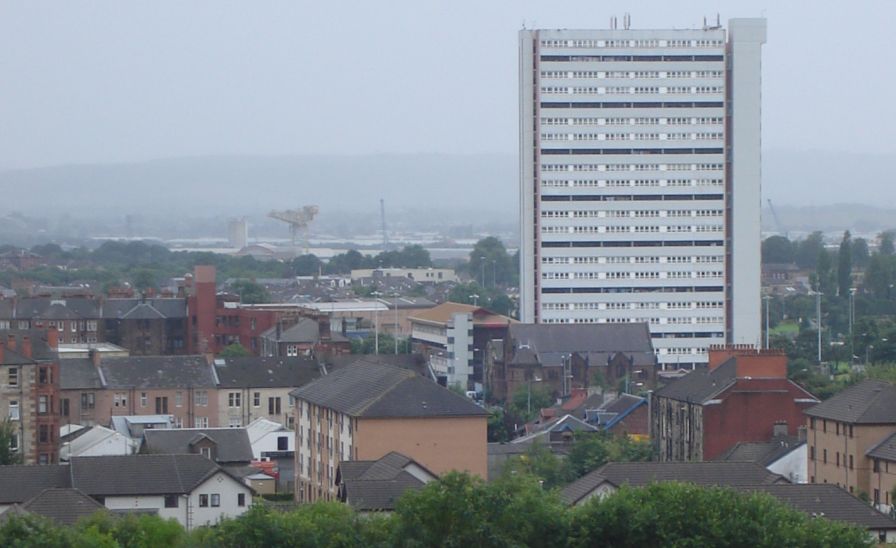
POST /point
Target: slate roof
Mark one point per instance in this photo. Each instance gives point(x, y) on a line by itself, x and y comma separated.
point(306, 331)
point(546, 343)
point(377, 485)
point(638, 474)
point(158, 372)
point(385, 391)
point(78, 373)
point(22, 482)
point(411, 362)
point(273, 372)
point(828, 501)
point(885, 450)
point(701, 384)
point(763, 453)
point(141, 474)
point(139, 309)
point(46, 308)
point(63, 505)
point(867, 402)
point(232, 443)
point(40, 350)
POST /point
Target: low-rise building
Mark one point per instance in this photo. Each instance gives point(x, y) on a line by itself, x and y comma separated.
point(376, 485)
point(564, 357)
point(783, 455)
point(306, 337)
point(743, 396)
point(419, 275)
point(368, 411)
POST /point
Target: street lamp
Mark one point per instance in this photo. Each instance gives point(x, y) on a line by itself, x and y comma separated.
point(376, 322)
point(529, 395)
point(395, 332)
point(475, 298)
point(852, 319)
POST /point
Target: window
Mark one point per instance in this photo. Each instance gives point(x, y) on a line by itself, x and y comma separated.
point(171, 501)
point(282, 443)
point(233, 399)
point(203, 501)
point(142, 399)
point(838, 459)
point(43, 434)
point(234, 422)
point(256, 399)
point(88, 400)
point(292, 350)
point(850, 430)
point(178, 399)
point(273, 406)
point(206, 452)
point(120, 399)
point(200, 422)
point(216, 500)
point(14, 442)
point(836, 428)
point(850, 462)
point(201, 397)
point(43, 405)
point(65, 407)
point(14, 410)
point(241, 499)
point(13, 376)
point(162, 405)
point(824, 456)
point(44, 375)
point(812, 453)
point(876, 497)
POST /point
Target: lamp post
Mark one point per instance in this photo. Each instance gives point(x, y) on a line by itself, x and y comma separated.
point(767, 300)
point(852, 320)
point(395, 333)
point(475, 298)
point(529, 395)
point(376, 322)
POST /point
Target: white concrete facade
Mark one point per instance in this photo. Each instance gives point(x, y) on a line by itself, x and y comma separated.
point(632, 208)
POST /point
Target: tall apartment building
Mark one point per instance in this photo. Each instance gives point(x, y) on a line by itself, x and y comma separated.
point(640, 182)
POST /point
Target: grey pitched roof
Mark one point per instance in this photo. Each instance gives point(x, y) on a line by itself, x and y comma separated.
point(378, 390)
point(63, 505)
point(885, 450)
point(621, 404)
point(763, 453)
point(141, 474)
point(158, 372)
point(412, 362)
point(867, 402)
point(377, 485)
point(548, 342)
point(255, 372)
point(24, 482)
point(638, 474)
point(232, 443)
point(40, 350)
point(77, 373)
point(57, 309)
point(828, 501)
point(305, 330)
point(137, 308)
point(701, 384)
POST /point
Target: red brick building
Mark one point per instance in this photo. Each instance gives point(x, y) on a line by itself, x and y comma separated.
point(739, 397)
point(218, 320)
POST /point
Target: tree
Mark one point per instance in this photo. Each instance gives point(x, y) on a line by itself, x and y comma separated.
point(844, 265)
point(592, 450)
point(886, 242)
point(8, 434)
point(540, 462)
point(677, 514)
point(529, 399)
point(367, 345)
point(307, 265)
point(143, 280)
point(235, 350)
point(344, 263)
point(860, 253)
point(490, 264)
point(250, 292)
point(824, 273)
point(807, 250)
point(777, 249)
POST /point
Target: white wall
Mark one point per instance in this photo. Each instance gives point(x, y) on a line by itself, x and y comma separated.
point(793, 466)
point(268, 442)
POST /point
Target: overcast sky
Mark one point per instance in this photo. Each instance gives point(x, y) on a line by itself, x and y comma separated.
point(86, 82)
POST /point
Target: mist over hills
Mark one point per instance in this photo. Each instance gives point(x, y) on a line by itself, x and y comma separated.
point(427, 190)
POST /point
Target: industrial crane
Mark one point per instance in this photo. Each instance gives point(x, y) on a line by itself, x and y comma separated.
point(298, 220)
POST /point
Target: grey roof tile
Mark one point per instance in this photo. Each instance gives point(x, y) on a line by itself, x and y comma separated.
point(77, 373)
point(867, 402)
point(272, 372)
point(701, 384)
point(140, 474)
point(378, 390)
point(232, 443)
point(547, 343)
point(763, 453)
point(885, 449)
point(63, 505)
point(157, 372)
point(24, 482)
point(377, 485)
point(137, 308)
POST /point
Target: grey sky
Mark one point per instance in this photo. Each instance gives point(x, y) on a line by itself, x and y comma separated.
point(122, 81)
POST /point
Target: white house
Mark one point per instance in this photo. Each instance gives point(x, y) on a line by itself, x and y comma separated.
point(267, 437)
point(94, 441)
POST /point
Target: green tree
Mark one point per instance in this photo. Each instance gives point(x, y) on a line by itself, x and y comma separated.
point(307, 265)
point(367, 345)
point(490, 265)
point(844, 265)
point(143, 280)
point(886, 242)
point(250, 292)
point(540, 462)
point(777, 249)
point(8, 433)
point(591, 450)
point(344, 263)
point(498, 428)
point(674, 514)
point(824, 274)
point(529, 399)
point(860, 253)
point(807, 250)
point(235, 350)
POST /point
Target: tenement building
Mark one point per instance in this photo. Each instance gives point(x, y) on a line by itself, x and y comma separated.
point(640, 182)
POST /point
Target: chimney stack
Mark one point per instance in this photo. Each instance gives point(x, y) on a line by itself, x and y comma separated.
point(94, 355)
point(26, 346)
point(11, 342)
point(2, 351)
point(53, 338)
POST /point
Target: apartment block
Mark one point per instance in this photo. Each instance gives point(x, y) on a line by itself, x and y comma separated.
point(640, 182)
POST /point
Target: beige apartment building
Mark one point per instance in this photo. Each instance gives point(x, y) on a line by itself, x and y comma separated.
point(847, 437)
point(366, 411)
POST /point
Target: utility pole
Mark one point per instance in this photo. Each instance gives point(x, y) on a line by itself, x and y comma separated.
point(376, 322)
